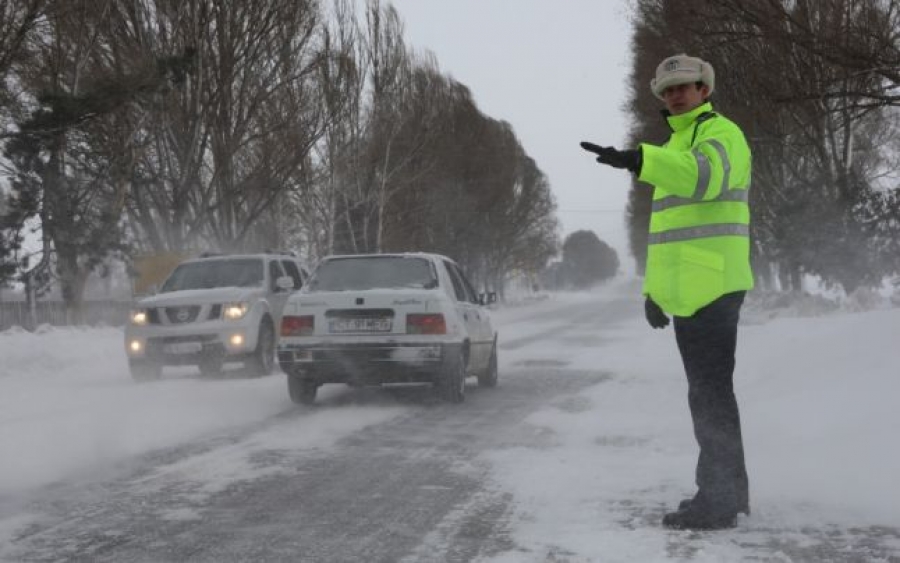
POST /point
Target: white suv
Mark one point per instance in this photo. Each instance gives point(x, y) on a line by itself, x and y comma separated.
point(387, 318)
point(212, 310)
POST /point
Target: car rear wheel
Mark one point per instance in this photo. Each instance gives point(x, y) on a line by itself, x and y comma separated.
point(144, 370)
point(302, 391)
point(489, 378)
point(452, 383)
point(262, 361)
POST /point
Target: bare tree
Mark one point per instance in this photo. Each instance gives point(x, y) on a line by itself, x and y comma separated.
point(376, 151)
point(320, 183)
point(264, 114)
point(227, 147)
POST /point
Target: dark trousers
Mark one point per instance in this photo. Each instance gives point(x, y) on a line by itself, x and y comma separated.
point(707, 342)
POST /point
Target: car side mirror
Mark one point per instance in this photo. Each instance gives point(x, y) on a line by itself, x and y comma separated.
point(488, 298)
point(284, 283)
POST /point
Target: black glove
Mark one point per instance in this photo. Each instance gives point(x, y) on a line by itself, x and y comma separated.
point(655, 316)
point(628, 159)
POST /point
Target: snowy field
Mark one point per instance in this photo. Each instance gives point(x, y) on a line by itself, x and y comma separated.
point(818, 392)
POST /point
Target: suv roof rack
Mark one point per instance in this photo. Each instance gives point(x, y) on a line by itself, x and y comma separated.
point(273, 252)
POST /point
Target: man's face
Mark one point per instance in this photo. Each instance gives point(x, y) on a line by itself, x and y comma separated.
point(682, 98)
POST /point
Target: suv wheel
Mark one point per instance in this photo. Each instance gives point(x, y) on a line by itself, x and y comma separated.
point(452, 382)
point(302, 391)
point(262, 360)
point(489, 378)
point(144, 370)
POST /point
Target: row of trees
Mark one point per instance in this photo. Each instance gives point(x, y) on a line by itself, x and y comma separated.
point(815, 84)
point(147, 126)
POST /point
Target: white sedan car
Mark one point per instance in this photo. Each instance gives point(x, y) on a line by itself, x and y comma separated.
point(373, 319)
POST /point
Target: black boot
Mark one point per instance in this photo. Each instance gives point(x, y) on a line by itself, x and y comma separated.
point(699, 517)
point(686, 503)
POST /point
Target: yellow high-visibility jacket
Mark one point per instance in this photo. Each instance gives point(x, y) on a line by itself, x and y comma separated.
point(699, 243)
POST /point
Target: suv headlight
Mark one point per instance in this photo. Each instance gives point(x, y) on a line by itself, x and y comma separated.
point(235, 311)
point(139, 317)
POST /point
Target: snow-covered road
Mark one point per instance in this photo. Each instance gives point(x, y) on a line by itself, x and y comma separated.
point(574, 457)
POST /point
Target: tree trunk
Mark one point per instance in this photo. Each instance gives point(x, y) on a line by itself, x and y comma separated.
point(72, 281)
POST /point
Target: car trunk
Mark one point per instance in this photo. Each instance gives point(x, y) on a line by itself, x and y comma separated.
point(376, 312)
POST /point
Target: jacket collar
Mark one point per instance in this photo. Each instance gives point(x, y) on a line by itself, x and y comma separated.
point(683, 121)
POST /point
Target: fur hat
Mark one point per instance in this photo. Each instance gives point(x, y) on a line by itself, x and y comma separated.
point(682, 69)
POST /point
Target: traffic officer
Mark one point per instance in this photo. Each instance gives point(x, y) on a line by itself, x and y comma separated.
point(698, 271)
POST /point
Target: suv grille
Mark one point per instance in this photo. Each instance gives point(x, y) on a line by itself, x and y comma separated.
point(181, 315)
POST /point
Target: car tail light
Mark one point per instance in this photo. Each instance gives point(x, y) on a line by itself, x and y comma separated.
point(425, 323)
point(297, 325)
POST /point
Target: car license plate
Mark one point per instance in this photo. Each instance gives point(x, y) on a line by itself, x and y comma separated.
point(183, 348)
point(360, 325)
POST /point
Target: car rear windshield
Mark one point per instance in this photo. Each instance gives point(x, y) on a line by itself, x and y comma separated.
point(341, 274)
point(239, 272)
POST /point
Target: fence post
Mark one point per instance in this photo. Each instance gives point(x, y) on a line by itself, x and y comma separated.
point(30, 302)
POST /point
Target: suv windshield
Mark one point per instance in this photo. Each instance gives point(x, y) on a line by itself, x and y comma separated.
point(240, 272)
point(341, 274)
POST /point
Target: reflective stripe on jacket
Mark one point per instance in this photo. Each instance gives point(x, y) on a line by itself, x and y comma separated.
point(699, 243)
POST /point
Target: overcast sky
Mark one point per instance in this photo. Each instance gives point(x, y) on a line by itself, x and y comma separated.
point(557, 72)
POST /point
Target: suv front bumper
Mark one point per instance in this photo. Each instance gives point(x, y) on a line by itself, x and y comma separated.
point(191, 343)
